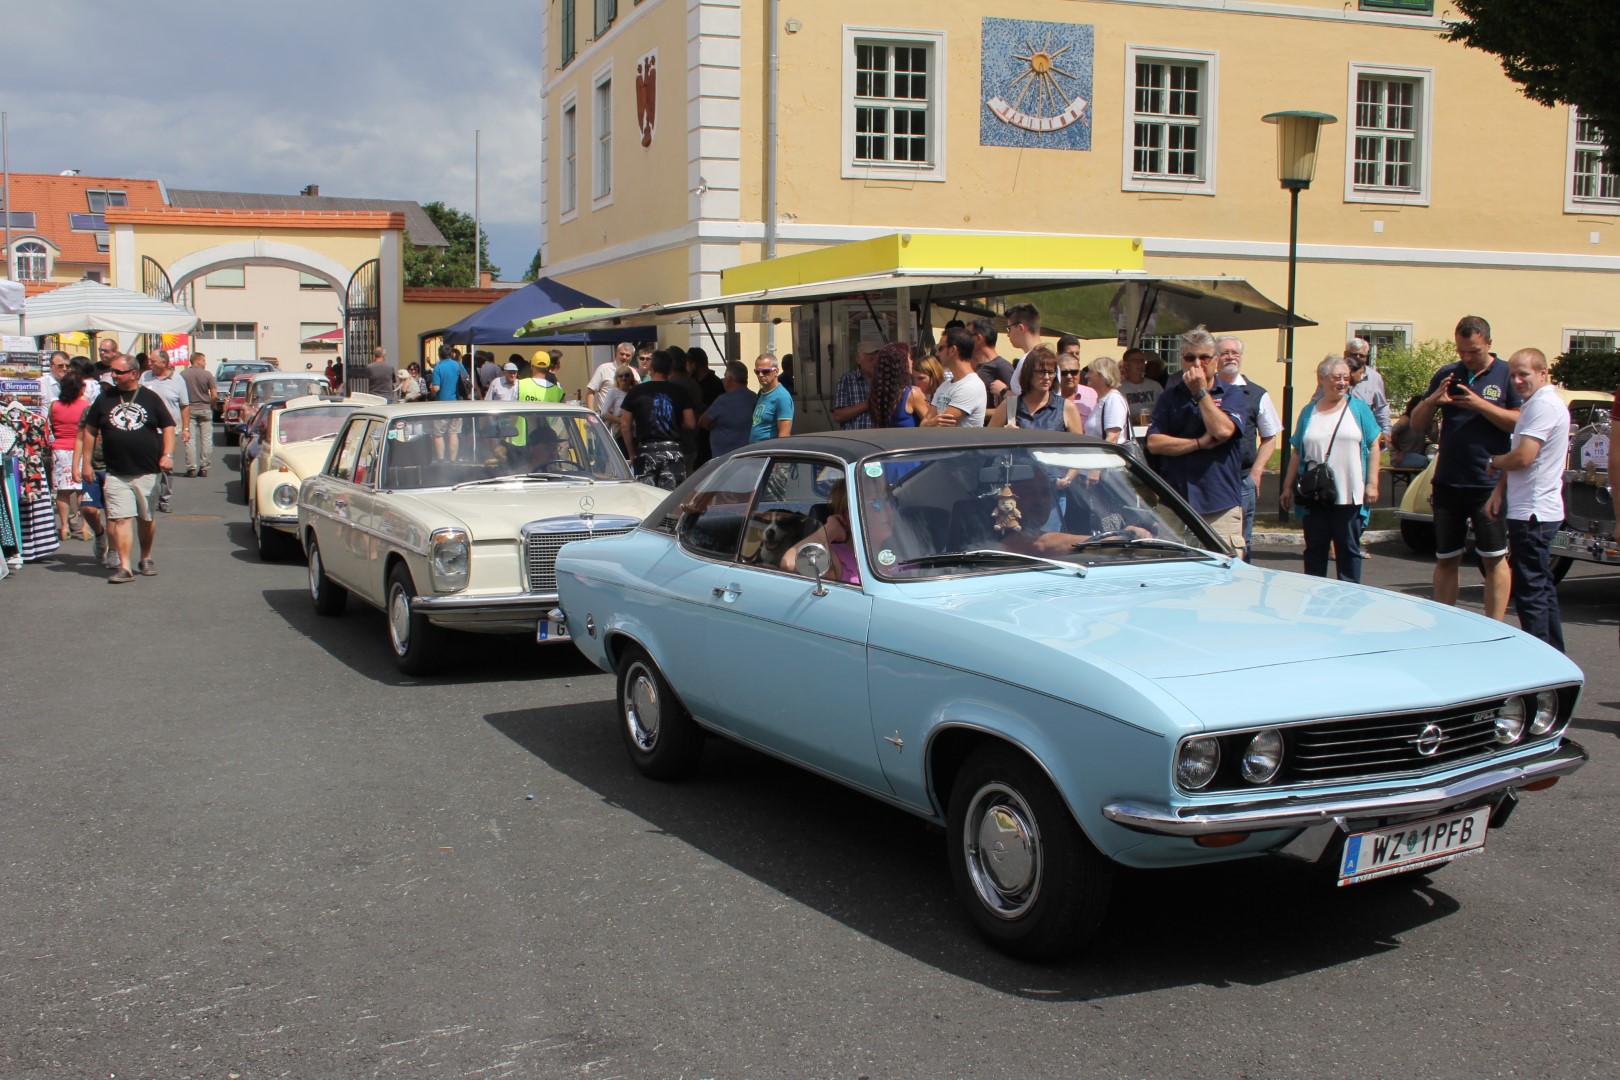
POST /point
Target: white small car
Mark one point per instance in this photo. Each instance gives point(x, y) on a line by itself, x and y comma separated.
point(286, 445)
point(449, 515)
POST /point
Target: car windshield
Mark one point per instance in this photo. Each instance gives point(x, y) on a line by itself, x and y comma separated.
point(239, 386)
point(951, 512)
point(284, 389)
point(444, 449)
point(302, 425)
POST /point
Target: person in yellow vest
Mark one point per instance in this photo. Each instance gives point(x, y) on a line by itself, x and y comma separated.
point(542, 384)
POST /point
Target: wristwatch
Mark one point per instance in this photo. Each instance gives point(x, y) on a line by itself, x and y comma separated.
point(1200, 396)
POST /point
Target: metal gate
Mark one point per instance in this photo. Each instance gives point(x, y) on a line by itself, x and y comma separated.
point(362, 328)
point(155, 283)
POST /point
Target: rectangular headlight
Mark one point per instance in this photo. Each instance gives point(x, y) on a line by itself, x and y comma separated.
point(450, 559)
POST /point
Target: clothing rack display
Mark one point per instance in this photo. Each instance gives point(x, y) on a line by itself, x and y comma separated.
point(28, 486)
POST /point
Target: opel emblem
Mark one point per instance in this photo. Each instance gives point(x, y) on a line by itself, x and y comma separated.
point(1429, 740)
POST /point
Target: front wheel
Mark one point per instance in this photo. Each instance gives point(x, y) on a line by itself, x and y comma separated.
point(415, 641)
point(274, 545)
point(663, 740)
point(1032, 882)
point(1418, 535)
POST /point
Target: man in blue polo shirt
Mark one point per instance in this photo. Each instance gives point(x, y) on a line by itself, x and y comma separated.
point(1478, 408)
point(1197, 434)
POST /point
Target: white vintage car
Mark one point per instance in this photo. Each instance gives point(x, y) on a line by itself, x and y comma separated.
point(449, 515)
point(287, 444)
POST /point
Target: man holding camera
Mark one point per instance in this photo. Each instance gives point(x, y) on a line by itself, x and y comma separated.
point(1478, 408)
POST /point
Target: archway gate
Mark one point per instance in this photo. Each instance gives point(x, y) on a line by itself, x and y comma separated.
point(359, 253)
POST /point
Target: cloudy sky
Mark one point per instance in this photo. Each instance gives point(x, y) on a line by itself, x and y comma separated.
point(367, 98)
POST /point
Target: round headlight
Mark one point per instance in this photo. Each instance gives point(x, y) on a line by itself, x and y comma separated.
point(1196, 762)
point(285, 496)
point(1510, 722)
point(1263, 757)
point(1546, 716)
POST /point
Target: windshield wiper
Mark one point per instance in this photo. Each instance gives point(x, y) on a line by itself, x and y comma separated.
point(509, 478)
point(1121, 539)
point(982, 556)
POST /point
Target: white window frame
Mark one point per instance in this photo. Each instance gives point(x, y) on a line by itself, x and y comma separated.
point(1573, 332)
point(1423, 141)
point(568, 181)
point(1352, 328)
point(602, 139)
point(933, 40)
point(1574, 204)
point(17, 253)
point(1208, 121)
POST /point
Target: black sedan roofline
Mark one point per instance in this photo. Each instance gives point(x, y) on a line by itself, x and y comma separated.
point(852, 446)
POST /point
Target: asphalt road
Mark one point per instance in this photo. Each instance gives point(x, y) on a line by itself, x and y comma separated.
point(237, 844)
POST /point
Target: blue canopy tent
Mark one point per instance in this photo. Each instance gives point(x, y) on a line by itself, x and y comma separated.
point(493, 323)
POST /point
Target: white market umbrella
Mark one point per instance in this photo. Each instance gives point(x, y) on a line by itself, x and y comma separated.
point(12, 297)
point(90, 305)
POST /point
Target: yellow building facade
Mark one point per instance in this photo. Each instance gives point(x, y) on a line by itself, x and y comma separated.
point(1440, 192)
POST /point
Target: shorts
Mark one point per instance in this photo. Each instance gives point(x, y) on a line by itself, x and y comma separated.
point(62, 477)
point(92, 492)
point(131, 496)
point(452, 426)
point(1228, 525)
point(1455, 509)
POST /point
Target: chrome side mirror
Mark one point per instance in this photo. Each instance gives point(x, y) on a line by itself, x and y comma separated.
point(816, 558)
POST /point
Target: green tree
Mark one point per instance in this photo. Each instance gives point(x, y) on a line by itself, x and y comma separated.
point(448, 267)
point(1559, 51)
point(533, 272)
point(1587, 370)
point(1408, 369)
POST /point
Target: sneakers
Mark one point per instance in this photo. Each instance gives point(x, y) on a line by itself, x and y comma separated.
point(101, 548)
point(203, 471)
point(163, 509)
point(148, 568)
point(111, 560)
point(191, 472)
point(120, 575)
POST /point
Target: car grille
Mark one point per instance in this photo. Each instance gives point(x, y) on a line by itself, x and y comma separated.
point(540, 555)
point(1383, 746)
point(1587, 506)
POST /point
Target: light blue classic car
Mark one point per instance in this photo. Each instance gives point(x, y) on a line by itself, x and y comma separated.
point(1030, 640)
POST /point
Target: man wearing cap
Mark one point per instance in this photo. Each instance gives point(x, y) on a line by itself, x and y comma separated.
point(505, 388)
point(539, 386)
point(488, 372)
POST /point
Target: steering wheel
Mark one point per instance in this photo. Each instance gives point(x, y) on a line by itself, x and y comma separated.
point(561, 465)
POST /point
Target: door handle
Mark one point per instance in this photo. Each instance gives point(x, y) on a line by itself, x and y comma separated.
point(723, 591)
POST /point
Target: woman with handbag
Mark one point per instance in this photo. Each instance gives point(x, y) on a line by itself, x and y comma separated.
point(1333, 468)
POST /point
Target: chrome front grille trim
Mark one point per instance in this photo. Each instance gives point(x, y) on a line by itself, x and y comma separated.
point(540, 555)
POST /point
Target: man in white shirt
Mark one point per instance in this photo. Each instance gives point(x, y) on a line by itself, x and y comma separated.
point(602, 378)
point(1141, 393)
point(505, 388)
point(960, 402)
point(1024, 331)
point(1260, 421)
point(1530, 490)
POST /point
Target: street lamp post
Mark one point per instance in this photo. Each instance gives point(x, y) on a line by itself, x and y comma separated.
point(1297, 135)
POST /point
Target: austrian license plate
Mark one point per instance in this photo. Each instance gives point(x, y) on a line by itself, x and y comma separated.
point(1413, 845)
point(554, 627)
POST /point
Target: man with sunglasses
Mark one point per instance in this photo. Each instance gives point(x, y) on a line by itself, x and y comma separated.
point(1197, 434)
point(135, 433)
point(773, 409)
point(1070, 384)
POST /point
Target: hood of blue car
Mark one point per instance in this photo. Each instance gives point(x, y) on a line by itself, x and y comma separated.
point(1184, 647)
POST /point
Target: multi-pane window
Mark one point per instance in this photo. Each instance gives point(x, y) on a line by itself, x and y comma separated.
point(570, 165)
point(33, 261)
point(1387, 133)
point(1591, 341)
point(565, 34)
point(227, 331)
point(603, 166)
point(1590, 179)
point(1383, 336)
point(893, 101)
point(1167, 120)
point(99, 200)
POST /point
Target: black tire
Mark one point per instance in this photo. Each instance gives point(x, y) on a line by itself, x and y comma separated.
point(274, 545)
point(416, 643)
point(1032, 882)
point(1419, 536)
point(1560, 567)
point(663, 740)
point(328, 597)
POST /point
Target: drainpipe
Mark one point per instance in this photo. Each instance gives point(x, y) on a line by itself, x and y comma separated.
point(770, 155)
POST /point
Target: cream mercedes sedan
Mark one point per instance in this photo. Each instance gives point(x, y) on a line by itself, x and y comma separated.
point(449, 515)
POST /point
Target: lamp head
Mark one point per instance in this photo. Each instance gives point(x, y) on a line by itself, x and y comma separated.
point(1298, 132)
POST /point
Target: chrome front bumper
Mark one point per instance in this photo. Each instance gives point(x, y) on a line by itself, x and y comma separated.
point(1297, 811)
point(280, 521)
point(512, 613)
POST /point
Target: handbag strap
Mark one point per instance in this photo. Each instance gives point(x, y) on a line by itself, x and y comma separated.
point(1331, 438)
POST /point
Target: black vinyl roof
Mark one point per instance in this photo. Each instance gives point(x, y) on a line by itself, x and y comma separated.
point(851, 446)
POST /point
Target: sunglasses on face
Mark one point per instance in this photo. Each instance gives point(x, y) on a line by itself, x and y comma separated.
point(762, 372)
point(1070, 373)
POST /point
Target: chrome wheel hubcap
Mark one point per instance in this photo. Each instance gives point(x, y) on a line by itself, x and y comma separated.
point(641, 707)
point(399, 619)
point(1003, 849)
